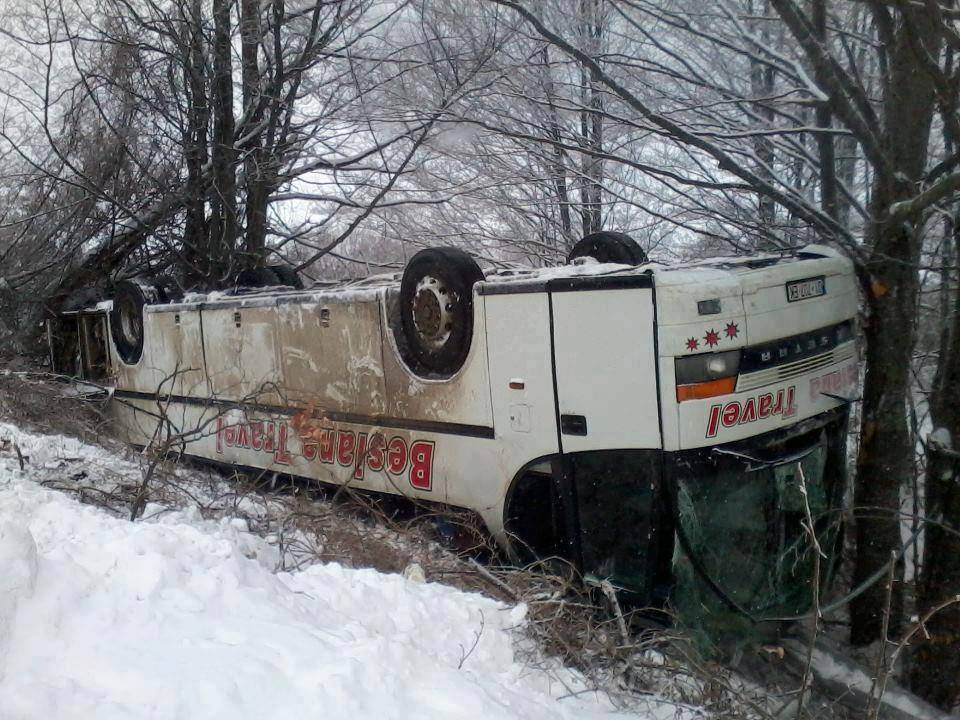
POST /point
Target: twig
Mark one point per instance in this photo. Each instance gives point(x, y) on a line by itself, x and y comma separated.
point(611, 596)
point(905, 640)
point(879, 683)
point(476, 641)
point(817, 554)
point(495, 580)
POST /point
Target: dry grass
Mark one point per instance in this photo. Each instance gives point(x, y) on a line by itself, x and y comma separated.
point(36, 401)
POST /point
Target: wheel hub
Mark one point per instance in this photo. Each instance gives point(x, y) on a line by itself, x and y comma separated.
point(432, 311)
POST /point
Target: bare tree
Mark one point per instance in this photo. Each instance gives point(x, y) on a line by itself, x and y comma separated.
point(213, 205)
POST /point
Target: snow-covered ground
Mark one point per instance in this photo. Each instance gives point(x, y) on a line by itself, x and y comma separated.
point(180, 617)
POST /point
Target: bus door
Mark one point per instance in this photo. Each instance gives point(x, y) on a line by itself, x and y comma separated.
point(609, 430)
point(606, 375)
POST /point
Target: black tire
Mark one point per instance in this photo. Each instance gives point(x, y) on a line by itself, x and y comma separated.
point(609, 247)
point(287, 276)
point(436, 310)
point(126, 317)
point(258, 277)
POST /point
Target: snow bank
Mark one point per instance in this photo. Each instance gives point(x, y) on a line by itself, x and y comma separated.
point(18, 576)
point(181, 617)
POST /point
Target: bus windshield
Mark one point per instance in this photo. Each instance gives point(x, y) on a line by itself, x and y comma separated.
point(744, 554)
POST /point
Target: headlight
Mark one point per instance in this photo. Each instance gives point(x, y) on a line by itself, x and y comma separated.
point(707, 375)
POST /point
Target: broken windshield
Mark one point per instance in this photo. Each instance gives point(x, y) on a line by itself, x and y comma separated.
point(744, 555)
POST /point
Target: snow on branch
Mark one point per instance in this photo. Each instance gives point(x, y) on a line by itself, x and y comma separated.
point(935, 193)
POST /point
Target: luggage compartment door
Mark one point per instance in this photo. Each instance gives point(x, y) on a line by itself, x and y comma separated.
point(605, 368)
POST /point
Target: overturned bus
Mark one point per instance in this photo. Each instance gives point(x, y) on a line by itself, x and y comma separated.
point(668, 429)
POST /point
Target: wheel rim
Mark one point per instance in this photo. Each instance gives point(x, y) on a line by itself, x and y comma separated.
point(433, 312)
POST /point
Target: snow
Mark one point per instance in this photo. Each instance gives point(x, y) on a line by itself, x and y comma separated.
point(578, 269)
point(364, 364)
point(196, 297)
point(177, 616)
point(366, 289)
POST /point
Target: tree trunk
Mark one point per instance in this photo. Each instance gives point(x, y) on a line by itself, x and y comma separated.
point(935, 671)
point(828, 164)
point(255, 173)
point(591, 120)
point(196, 250)
point(761, 85)
point(224, 226)
point(558, 156)
point(885, 459)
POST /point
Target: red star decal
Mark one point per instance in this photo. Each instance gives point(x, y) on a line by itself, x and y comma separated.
point(693, 344)
point(712, 338)
point(732, 330)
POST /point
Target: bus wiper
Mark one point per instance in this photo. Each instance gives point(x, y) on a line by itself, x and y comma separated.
point(754, 463)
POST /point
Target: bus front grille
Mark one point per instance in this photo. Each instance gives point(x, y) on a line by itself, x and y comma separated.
point(788, 371)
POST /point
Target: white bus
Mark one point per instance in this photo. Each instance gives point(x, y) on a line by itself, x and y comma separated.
point(659, 427)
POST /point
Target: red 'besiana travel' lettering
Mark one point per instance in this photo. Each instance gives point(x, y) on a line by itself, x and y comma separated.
point(839, 382)
point(347, 448)
point(376, 455)
point(361, 462)
point(363, 451)
point(421, 464)
point(261, 436)
point(396, 455)
point(761, 407)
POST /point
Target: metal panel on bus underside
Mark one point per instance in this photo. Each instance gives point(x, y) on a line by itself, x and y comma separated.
point(331, 355)
point(172, 359)
point(241, 352)
point(173, 343)
point(606, 369)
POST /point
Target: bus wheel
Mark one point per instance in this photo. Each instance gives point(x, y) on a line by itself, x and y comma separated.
point(258, 277)
point(126, 318)
point(286, 275)
point(436, 309)
point(609, 247)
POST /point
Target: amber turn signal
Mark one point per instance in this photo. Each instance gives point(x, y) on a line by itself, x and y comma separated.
point(708, 389)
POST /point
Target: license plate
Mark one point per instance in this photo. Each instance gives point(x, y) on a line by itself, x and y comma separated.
point(805, 289)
